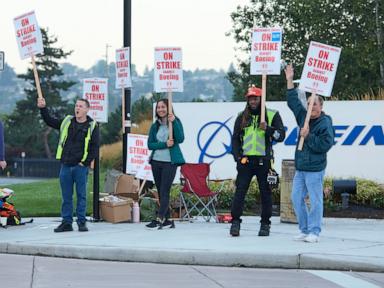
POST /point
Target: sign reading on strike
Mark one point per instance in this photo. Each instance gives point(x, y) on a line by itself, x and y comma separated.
point(95, 90)
point(168, 70)
point(266, 51)
point(28, 35)
point(1, 60)
point(123, 68)
point(138, 157)
point(320, 69)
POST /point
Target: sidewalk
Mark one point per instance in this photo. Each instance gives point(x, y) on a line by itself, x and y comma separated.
point(345, 244)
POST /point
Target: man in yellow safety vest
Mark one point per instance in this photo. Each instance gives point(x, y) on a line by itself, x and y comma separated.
point(252, 149)
point(78, 146)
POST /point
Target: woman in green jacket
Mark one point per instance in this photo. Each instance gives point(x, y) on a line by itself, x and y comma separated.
point(165, 157)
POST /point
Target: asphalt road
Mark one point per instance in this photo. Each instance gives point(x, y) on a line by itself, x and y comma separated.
point(20, 271)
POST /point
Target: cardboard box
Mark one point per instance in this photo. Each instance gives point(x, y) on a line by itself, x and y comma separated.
point(127, 186)
point(115, 212)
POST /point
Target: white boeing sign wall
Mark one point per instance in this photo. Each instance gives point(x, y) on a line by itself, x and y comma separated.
point(358, 152)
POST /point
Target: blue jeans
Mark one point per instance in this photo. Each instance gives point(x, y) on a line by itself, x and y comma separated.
point(70, 175)
point(308, 183)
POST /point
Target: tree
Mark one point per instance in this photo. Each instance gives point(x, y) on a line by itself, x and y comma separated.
point(354, 25)
point(25, 129)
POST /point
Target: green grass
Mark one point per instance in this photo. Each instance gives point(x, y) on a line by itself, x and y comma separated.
point(43, 199)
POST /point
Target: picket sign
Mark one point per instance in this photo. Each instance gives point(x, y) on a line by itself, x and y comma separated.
point(318, 75)
point(168, 75)
point(30, 41)
point(265, 57)
point(95, 90)
point(123, 77)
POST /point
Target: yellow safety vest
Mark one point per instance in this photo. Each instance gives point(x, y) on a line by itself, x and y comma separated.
point(64, 134)
point(254, 137)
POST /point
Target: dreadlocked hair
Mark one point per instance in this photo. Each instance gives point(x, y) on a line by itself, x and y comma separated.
point(245, 117)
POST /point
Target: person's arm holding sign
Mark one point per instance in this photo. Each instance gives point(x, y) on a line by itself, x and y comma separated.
point(50, 121)
point(293, 99)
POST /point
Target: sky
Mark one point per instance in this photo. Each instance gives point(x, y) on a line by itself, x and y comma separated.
point(88, 26)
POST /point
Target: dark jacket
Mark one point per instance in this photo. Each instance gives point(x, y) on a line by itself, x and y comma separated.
point(178, 137)
point(313, 156)
point(238, 133)
point(2, 145)
point(74, 145)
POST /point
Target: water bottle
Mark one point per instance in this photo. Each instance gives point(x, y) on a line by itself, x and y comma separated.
point(136, 212)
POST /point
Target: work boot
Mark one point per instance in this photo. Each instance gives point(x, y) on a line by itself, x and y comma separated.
point(82, 227)
point(264, 229)
point(64, 227)
point(235, 228)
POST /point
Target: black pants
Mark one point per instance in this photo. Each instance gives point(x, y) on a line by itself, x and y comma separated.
point(163, 174)
point(245, 173)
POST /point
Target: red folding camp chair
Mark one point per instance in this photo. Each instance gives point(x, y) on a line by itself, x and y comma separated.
point(195, 196)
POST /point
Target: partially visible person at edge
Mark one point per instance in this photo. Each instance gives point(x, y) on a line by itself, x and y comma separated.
point(78, 146)
point(165, 157)
point(3, 163)
point(310, 162)
point(252, 150)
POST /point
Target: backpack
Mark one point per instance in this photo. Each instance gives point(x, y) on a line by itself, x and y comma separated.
point(9, 211)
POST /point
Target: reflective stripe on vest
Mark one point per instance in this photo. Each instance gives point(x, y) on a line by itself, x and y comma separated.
point(64, 134)
point(254, 137)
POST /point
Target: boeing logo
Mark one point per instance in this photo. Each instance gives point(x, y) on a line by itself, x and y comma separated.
point(363, 132)
point(375, 132)
point(216, 127)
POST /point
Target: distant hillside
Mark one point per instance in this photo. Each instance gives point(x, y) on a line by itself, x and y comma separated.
point(207, 85)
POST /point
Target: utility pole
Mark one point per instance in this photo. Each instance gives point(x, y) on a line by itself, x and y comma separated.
point(106, 60)
point(127, 92)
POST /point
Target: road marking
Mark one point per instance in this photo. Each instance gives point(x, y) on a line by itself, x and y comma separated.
point(343, 279)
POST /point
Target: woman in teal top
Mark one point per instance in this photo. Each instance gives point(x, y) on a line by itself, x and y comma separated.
point(165, 157)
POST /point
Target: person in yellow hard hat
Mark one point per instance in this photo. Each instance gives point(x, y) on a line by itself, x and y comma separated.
point(252, 149)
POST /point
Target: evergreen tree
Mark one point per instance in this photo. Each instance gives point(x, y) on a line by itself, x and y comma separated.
point(353, 25)
point(25, 129)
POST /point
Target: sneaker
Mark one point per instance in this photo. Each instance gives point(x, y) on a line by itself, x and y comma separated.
point(300, 237)
point(64, 227)
point(235, 228)
point(82, 227)
point(311, 238)
point(167, 224)
point(264, 229)
point(153, 224)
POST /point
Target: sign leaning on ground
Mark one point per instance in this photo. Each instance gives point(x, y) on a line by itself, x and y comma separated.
point(266, 51)
point(320, 69)
point(95, 90)
point(28, 35)
point(138, 157)
point(1, 60)
point(123, 70)
point(168, 74)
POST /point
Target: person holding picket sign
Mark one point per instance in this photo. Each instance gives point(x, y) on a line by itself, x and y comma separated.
point(3, 163)
point(165, 157)
point(252, 150)
point(78, 146)
point(310, 162)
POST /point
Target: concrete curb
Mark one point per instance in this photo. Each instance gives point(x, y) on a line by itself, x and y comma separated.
point(207, 258)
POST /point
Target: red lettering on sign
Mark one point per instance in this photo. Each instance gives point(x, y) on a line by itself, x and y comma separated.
point(317, 63)
point(323, 54)
point(168, 55)
point(168, 65)
point(122, 56)
point(95, 88)
point(24, 22)
point(266, 37)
